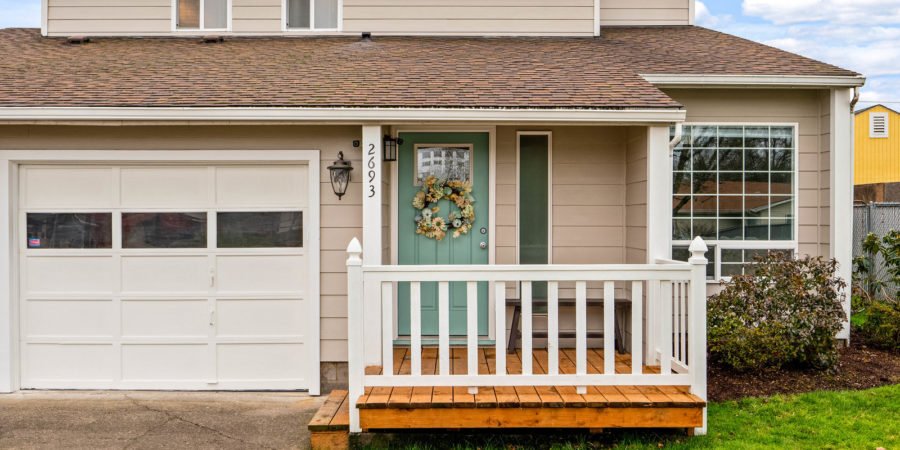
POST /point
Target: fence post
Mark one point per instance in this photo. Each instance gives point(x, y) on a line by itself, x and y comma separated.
point(697, 318)
point(356, 365)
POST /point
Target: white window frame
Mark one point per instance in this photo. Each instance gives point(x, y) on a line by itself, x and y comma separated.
point(887, 125)
point(228, 16)
point(793, 244)
point(312, 19)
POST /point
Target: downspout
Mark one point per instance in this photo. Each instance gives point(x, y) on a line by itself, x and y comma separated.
point(679, 131)
point(855, 99)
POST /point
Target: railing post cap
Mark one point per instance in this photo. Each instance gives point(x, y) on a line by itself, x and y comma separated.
point(354, 250)
point(698, 248)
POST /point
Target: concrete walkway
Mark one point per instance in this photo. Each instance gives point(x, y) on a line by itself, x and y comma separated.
point(147, 420)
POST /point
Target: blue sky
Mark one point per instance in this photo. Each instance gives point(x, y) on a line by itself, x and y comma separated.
point(861, 35)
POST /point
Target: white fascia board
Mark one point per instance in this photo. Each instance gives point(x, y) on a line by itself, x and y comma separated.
point(342, 115)
point(699, 80)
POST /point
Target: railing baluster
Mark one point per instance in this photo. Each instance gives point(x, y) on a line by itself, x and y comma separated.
point(415, 326)
point(472, 329)
point(553, 328)
point(609, 327)
point(581, 332)
point(387, 328)
point(637, 313)
point(665, 338)
point(526, 328)
point(444, 326)
point(500, 326)
point(682, 316)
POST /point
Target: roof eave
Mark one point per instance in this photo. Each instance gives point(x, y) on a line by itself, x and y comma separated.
point(754, 81)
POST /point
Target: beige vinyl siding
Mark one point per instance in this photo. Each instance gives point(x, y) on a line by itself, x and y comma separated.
point(457, 17)
point(809, 109)
point(66, 17)
point(256, 16)
point(644, 12)
point(636, 196)
point(341, 220)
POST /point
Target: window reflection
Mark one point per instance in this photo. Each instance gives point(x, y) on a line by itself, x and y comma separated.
point(69, 230)
point(260, 229)
point(164, 230)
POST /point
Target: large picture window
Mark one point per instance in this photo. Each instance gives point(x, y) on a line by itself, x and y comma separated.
point(734, 186)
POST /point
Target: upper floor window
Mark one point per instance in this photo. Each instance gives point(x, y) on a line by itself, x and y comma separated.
point(878, 125)
point(203, 14)
point(312, 14)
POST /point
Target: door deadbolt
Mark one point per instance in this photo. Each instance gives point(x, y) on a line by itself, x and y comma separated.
point(483, 230)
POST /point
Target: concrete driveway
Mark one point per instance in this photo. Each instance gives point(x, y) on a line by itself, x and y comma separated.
point(145, 420)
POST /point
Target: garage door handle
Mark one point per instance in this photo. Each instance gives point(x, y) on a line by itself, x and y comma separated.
point(212, 278)
point(212, 317)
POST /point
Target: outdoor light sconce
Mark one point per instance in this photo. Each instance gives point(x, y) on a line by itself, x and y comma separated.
point(340, 175)
point(390, 148)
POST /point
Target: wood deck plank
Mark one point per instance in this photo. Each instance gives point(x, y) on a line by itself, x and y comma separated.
point(657, 397)
point(550, 398)
point(569, 394)
point(342, 417)
point(321, 421)
point(634, 396)
point(528, 397)
point(421, 395)
point(458, 366)
point(402, 366)
point(506, 395)
point(485, 398)
point(592, 398)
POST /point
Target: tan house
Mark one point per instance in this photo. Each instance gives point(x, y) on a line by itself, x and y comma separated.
point(526, 180)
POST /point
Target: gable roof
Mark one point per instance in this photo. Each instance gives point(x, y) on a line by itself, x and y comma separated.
point(410, 72)
point(873, 107)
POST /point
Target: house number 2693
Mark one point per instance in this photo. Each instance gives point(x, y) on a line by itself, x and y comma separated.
point(371, 164)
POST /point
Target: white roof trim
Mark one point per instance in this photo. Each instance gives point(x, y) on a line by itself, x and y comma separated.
point(345, 115)
point(753, 80)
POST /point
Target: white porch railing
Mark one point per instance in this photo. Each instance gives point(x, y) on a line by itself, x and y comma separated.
point(682, 288)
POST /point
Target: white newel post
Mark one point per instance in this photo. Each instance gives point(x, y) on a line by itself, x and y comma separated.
point(659, 227)
point(356, 365)
point(697, 319)
point(372, 155)
point(841, 191)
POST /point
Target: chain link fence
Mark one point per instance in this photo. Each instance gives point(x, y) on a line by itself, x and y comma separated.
point(878, 218)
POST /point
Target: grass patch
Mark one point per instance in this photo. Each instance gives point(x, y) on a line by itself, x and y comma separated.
point(819, 420)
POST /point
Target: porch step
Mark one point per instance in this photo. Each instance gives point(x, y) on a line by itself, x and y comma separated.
point(329, 428)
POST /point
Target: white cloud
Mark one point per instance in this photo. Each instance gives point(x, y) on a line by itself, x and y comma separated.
point(781, 12)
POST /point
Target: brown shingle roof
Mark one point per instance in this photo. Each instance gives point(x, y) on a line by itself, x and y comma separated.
point(445, 72)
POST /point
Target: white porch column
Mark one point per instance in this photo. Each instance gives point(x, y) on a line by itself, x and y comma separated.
point(841, 190)
point(659, 225)
point(370, 172)
point(8, 354)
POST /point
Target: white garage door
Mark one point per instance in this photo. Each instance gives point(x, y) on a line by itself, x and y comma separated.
point(163, 277)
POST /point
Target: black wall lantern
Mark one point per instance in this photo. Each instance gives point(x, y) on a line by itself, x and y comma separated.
point(340, 175)
point(390, 148)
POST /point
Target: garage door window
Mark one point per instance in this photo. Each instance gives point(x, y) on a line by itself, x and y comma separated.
point(260, 229)
point(69, 230)
point(164, 230)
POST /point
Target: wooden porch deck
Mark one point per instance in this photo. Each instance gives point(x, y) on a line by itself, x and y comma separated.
point(525, 406)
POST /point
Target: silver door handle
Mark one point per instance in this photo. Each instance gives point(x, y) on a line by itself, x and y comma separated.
point(483, 245)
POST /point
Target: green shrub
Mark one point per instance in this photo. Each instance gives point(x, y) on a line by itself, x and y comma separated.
point(787, 311)
point(882, 324)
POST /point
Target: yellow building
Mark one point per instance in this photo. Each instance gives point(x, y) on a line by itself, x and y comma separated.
point(877, 157)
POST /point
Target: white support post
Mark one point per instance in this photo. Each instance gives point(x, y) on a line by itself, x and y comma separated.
point(841, 191)
point(697, 324)
point(472, 330)
point(637, 332)
point(356, 365)
point(553, 328)
point(500, 327)
point(581, 333)
point(609, 327)
point(444, 327)
point(415, 327)
point(387, 317)
point(527, 334)
point(659, 224)
point(370, 175)
point(665, 328)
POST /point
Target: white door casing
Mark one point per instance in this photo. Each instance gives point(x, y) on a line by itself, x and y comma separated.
point(208, 318)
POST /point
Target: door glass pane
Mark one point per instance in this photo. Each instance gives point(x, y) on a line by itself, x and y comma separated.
point(298, 13)
point(260, 229)
point(445, 163)
point(69, 230)
point(326, 13)
point(533, 204)
point(164, 230)
point(215, 14)
point(189, 13)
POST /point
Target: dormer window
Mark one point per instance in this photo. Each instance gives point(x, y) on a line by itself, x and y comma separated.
point(312, 14)
point(202, 14)
point(878, 125)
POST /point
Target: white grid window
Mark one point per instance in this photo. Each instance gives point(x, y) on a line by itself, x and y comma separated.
point(312, 14)
point(202, 14)
point(734, 186)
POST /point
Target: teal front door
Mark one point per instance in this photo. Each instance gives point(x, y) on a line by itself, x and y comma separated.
point(449, 156)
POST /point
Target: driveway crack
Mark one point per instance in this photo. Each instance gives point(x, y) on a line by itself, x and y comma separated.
point(171, 416)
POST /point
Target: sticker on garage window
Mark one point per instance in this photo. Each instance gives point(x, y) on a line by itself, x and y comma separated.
point(34, 243)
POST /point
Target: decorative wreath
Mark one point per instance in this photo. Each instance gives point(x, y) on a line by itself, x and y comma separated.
point(433, 190)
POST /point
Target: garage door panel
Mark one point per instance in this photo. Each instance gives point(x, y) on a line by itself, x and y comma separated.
point(69, 274)
point(261, 273)
point(259, 362)
point(165, 362)
point(154, 274)
point(165, 187)
point(65, 187)
point(72, 318)
point(270, 318)
point(63, 362)
point(165, 318)
point(262, 186)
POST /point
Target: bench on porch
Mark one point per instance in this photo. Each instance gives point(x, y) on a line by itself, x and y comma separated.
point(515, 333)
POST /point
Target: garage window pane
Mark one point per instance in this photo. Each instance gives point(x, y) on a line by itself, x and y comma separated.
point(69, 230)
point(164, 230)
point(260, 229)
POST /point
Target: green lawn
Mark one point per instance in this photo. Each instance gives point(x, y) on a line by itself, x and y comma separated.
point(841, 420)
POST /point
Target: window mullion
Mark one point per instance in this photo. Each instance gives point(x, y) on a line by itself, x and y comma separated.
point(312, 14)
point(202, 20)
